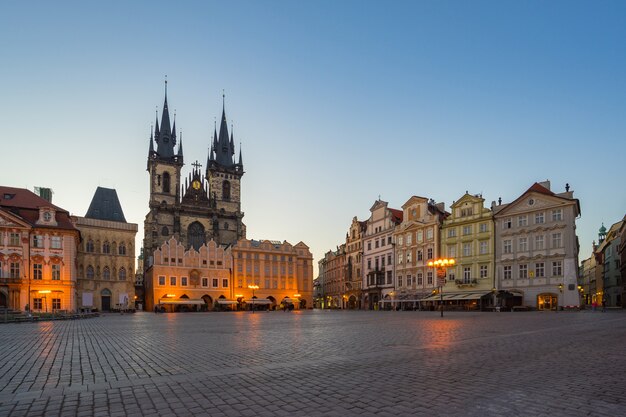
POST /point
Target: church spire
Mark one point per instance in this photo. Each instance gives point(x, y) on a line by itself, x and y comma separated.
point(240, 158)
point(163, 135)
point(180, 147)
point(151, 150)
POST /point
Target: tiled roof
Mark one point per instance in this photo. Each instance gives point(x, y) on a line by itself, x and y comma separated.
point(26, 205)
point(397, 215)
point(106, 206)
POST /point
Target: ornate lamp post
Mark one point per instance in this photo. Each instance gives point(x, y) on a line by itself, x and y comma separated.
point(253, 287)
point(440, 266)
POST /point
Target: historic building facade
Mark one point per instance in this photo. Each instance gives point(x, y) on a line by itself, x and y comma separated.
point(37, 253)
point(467, 237)
point(354, 264)
point(417, 241)
point(207, 206)
point(335, 272)
point(379, 254)
point(106, 255)
point(537, 248)
point(282, 272)
point(608, 270)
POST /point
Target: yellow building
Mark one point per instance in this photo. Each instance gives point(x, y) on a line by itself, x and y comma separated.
point(467, 236)
point(37, 253)
point(106, 255)
point(282, 272)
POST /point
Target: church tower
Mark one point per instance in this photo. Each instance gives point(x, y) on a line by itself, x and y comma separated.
point(164, 166)
point(224, 176)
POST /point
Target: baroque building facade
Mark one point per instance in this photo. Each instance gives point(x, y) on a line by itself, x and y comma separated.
point(38, 244)
point(467, 236)
point(537, 248)
point(106, 255)
point(354, 263)
point(207, 206)
point(417, 241)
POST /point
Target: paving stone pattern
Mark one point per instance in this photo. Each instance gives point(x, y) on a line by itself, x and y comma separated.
point(317, 363)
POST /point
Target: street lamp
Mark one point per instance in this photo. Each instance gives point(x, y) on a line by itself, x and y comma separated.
point(440, 266)
point(253, 287)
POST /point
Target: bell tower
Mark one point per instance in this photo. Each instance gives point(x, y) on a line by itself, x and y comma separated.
point(164, 167)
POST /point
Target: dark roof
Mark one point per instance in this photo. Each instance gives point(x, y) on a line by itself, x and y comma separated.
point(26, 205)
point(397, 215)
point(105, 206)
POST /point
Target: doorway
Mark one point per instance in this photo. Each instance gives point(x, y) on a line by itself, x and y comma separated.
point(547, 302)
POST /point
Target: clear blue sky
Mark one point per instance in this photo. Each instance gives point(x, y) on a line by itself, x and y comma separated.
point(334, 102)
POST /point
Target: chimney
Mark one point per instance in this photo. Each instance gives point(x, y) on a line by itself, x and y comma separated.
point(545, 184)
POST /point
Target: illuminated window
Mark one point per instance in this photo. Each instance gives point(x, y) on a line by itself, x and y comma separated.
point(37, 271)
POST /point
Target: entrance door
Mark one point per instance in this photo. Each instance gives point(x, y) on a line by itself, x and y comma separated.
point(106, 303)
point(547, 301)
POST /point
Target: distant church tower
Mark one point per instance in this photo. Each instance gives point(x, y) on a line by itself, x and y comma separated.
point(206, 207)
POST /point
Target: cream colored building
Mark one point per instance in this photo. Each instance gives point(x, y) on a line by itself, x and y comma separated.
point(106, 255)
point(354, 264)
point(283, 273)
point(467, 237)
point(417, 241)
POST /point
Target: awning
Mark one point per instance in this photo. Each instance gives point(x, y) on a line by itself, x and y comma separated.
point(290, 300)
point(181, 302)
point(226, 302)
point(259, 301)
point(457, 296)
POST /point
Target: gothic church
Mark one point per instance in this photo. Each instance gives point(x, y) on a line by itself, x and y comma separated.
point(208, 205)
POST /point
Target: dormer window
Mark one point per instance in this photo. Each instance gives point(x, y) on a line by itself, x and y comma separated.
point(47, 216)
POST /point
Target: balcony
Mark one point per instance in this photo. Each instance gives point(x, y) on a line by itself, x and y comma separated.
point(10, 280)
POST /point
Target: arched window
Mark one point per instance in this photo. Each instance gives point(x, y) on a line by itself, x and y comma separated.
point(106, 273)
point(106, 247)
point(226, 190)
point(121, 249)
point(165, 231)
point(195, 234)
point(122, 274)
point(166, 182)
point(90, 272)
point(89, 246)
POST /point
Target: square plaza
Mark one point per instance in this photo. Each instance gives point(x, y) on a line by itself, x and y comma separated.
point(313, 363)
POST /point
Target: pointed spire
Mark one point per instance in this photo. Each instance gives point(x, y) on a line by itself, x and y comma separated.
point(156, 124)
point(174, 130)
point(180, 145)
point(151, 141)
point(240, 158)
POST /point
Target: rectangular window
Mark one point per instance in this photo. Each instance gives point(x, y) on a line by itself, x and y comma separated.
point(369, 245)
point(556, 240)
point(56, 303)
point(522, 244)
point(37, 304)
point(382, 260)
point(389, 240)
point(467, 230)
point(557, 215)
point(369, 263)
point(557, 269)
point(429, 278)
point(400, 240)
point(409, 281)
point(539, 242)
point(161, 280)
point(507, 247)
point(507, 272)
point(56, 272)
point(452, 232)
point(523, 271)
point(172, 281)
point(467, 249)
point(483, 271)
point(37, 271)
point(224, 282)
point(408, 257)
point(540, 270)
point(409, 239)
point(14, 239)
point(55, 242)
point(275, 284)
point(420, 255)
point(14, 270)
point(420, 279)
point(451, 251)
point(429, 234)
point(420, 235)
point(205, 282)
point(522, 221)
point(482, 228)
point(539, 218)
point(376, 243)
point(400, 258)
point(389, 277)
point(215, 282)
point(467, 275)
point(506, 223)
point(382, 242)
point(451, 276)
point(399, 280)
point(483, 247)
point(37, 241)
point(240, 267)
point(466, 212)
point(183, 281)
point(389, 259)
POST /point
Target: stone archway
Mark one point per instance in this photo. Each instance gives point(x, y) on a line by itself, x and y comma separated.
point(273, 301)
point(208, 301)
point(105, 299)
point(352, 303)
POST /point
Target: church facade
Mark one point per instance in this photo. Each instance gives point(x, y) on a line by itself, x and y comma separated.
point(206, 205)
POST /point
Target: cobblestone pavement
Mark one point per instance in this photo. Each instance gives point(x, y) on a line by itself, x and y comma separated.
point(315, 363)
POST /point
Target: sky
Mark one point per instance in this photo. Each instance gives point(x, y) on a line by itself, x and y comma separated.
point(334, 103)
